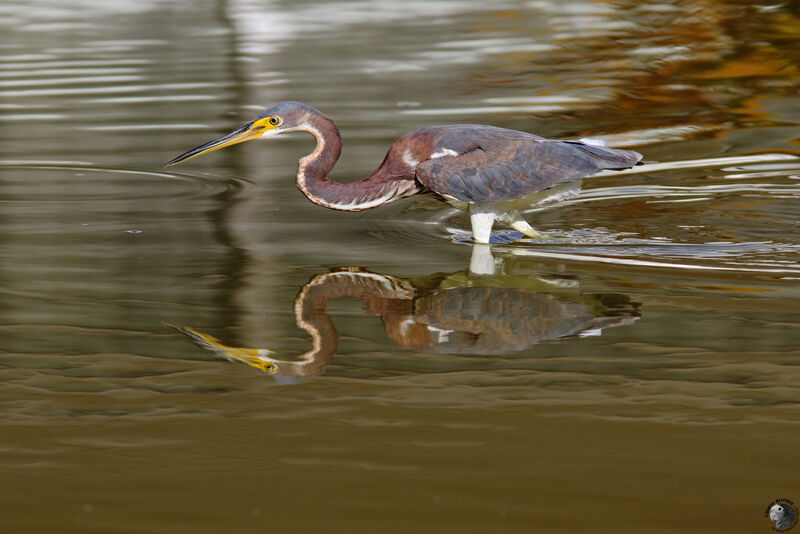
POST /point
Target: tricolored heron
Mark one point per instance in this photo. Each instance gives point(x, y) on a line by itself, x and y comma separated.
point(487, 171)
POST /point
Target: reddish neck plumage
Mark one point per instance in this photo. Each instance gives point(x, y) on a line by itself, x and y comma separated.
point(316, 166)
point(312, 174)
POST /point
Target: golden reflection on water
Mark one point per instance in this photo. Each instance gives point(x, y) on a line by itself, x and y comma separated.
point(681, 416)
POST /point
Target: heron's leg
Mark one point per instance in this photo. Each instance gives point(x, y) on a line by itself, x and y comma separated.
point(482, 221)
point(515, 221)
point(482, 261)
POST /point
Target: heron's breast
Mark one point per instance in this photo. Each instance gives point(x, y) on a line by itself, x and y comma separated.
point(558, 193)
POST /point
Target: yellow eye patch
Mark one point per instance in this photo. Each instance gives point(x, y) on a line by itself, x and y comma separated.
point(268, 123)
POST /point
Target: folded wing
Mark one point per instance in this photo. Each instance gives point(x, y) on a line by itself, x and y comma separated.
point(518, 168)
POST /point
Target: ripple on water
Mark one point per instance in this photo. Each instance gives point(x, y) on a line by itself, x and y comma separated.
point(85, 242)
point(26, 181)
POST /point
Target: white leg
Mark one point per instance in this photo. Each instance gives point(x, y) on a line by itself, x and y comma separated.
point(482, 261)
point(482, 221)
point(515, 221)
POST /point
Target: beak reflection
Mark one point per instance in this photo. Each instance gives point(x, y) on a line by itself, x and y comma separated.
point(436, 314)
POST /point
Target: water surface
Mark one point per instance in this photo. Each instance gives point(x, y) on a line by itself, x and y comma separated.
point(199, 348)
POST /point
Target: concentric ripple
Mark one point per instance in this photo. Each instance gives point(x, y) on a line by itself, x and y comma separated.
point(78, 181)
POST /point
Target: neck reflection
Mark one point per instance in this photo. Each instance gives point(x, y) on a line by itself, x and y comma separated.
point(479, 312)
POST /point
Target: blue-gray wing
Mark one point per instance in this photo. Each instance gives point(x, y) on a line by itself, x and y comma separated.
point(518, 168)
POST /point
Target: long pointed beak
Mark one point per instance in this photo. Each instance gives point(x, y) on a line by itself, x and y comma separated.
point(251, 130)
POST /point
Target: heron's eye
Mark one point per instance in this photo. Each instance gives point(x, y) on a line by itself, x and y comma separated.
point(274, 121)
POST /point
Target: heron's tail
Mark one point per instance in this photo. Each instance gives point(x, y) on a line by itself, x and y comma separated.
point(613, 159)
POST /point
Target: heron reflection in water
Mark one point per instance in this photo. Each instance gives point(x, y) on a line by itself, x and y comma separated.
point(490, 172)
point(457, 313)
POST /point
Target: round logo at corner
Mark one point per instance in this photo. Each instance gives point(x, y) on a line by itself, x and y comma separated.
point(782, 513)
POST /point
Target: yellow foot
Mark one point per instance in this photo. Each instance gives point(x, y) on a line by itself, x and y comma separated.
point(527, 231)
point(537, 235)
point(515, 221)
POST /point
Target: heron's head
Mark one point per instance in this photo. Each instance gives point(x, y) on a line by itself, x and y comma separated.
point(282, 118)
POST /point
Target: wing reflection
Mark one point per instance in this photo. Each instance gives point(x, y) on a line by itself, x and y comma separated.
point(457, 313)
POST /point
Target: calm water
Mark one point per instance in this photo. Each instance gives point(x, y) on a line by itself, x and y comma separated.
point(200, 349)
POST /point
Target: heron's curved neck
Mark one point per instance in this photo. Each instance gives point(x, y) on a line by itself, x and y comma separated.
point(378, 292)
point(320, 162)
point(312, 174)
point(383, 295)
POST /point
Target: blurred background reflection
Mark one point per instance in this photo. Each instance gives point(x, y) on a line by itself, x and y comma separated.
point(443, 399)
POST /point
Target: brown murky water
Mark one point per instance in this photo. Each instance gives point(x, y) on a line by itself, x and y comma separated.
point(200, 349)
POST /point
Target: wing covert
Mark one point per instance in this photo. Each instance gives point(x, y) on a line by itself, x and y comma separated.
point(518, 168)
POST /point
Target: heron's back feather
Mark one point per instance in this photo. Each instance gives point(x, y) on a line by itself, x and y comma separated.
point(517, 168)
